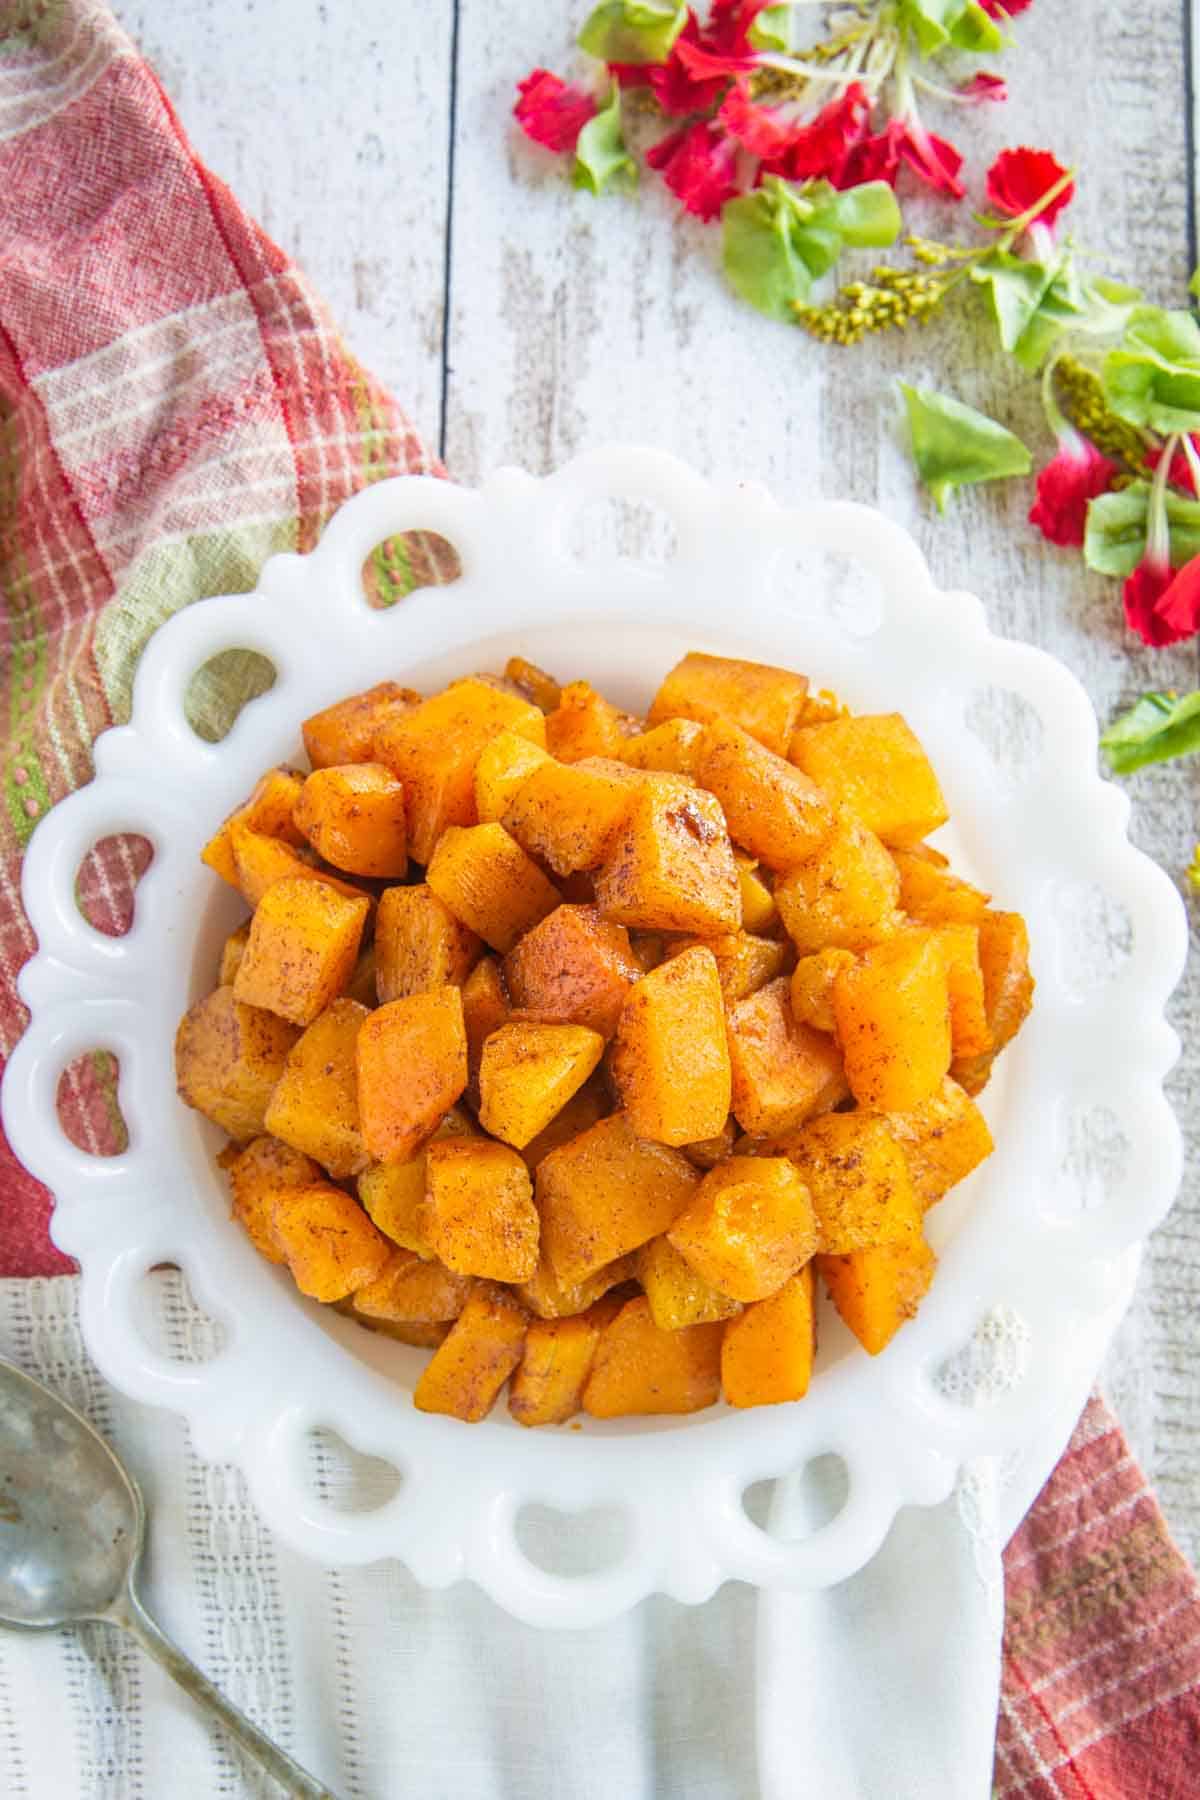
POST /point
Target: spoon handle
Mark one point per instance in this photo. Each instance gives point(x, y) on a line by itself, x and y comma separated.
point(294, 1780)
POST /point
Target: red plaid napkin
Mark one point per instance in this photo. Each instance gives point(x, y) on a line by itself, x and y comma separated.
point(174, 406)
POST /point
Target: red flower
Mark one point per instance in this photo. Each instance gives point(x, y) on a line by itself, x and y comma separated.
point(1178, 611)
point(996, 9)
point(552, 112)
point(822, 147)
point(757, 128)
point(878, 158)
point(1163, 607)
point(983, 87)
point(708, 60)
point(697, 164)
point(1017, 180)
point(701, 59)
point(1180, 473)
point(1076, 475)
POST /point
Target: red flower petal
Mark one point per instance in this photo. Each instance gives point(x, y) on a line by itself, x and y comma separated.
point(878, 158)
point(983, 87)
point(1177, 612)
point(1144, 590)
point(757, 128)
point(697, 164)
point(672, 83)
point(729, 23)
point(1018, 179)
point(701, 60)
point(552, 112)
point(1076, 475)
point(996, 9)
point(1180, 473)
point(822, 147)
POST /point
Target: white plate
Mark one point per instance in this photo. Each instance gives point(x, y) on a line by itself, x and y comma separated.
point(746, 576)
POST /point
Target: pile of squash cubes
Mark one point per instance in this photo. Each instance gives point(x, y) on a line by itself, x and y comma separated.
point(572, 1046)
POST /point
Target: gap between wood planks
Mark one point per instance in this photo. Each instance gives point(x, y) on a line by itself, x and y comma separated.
point(448, 257)
point(1191, 56)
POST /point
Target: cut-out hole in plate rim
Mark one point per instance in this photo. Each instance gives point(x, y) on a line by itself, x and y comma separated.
point(617, 529)
point(89, 1108)
point(1010, 730)
point(1094, 1162)
point(171, 1321)
point(1095, 937)
point(572, 1544)
point(816, 584)
point(222, 687)
point(993, 1361)
point(344, 1479)
point(107, 878)
point(406, 561)
point(802, 1503)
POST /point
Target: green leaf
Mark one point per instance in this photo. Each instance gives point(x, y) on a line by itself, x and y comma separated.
point(1152, 378)
point(1016, 289)
point(954, 446)
point(761, 259)
point(819, 247)
point(1114, 539)
point(772, 29)
point(1157, 728)
point(976, 33)
point(931, 22)
point(866, 217)
point(600, 154)
point(633, 31)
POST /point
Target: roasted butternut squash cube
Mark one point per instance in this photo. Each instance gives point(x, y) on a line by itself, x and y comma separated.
point(538, 687)
point(670, 1060)
point(583, 724)
point(575, 968)
point(503, 766)
point(256, 1175)
point(485, 878)
point(669, 748)
point(480, 1217)
point(421, 1337)
point(314, 1107)
point(759, 912)
point(1008, 992)
point(232, 952)
point(547, 1387)
point(228, 1057)
point(410, 1291)
point(345, 732)
point(605, 1193)
point(943, 1139)
point(772, 810)
point(877, 1288)
point(485, 1009)
point(394, 1193)
point(302, 949)
point(874, 766)
point(353, 816)
point(546, 1296)
point(749, 1226)
point(932, 894)
point(859, 1181)
point(706, 1153)
point(671, 865)
point(327, 1240)
point(893, 1021)
point(639, 1369)
point(465, 1374)
point(783, 1072)
point(433, 750)
point(412, 1067)
point(744, 962)
point(568, 814)
point(764, 701)
point(970, 1034)
point(812, 987)
point(678, 1296)
point(261, 861)
point(767, 1352)
point(420, 944)
point(843, 897)
point(529, 1072)
point(268, 813)
point(584, 1109)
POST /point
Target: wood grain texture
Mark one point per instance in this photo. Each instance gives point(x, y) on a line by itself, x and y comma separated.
point(572, 321)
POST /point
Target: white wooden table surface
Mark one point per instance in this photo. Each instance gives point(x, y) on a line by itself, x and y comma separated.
point(520, 322)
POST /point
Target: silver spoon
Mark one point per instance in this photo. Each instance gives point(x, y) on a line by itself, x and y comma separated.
point(72, 1527)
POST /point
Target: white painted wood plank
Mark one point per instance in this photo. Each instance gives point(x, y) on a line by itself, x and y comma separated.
point(331, 124)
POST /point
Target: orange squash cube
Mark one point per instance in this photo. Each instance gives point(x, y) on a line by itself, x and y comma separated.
point(302, 948)
point(412, 1067)
point(485, 1009)
point(268, 813)
point(943, 1139)
point(877, 1288)
point(575, 968)
point(970, 1034)
point(759, 911)
point(345, 732)
point(420, 944)
point(678, 1296)
point(547, 1387)
point(671, 865)
point(262, 1170)
point(487, 881)
point(670, 1060)
point(479, 1211)
point(465, 1374)
point(812, 987)
point(353, 815)
point(433, 750)
point(639, 1369)
point(327, 1240)
point(844, 897)
point(605, 1193)
point(932, 895)
point(583, 724)
point(528, 1073)
point(232, 952)
point(772, 810)
point(874, 766)
point(666, 749)
point(749, 1226)
point(783, 1072)
point(1008, 992)
point(314, 1106)
point(394, 1193)
point(591, 1103)
point(261, 861)
point(409, 1291)
point(503, 766)
point(538, 687)
point(744, 962)
point(567, 814)
point(859, 1181)
point(421, 1337)
point(545, 1295)
point(768, 1350)
point(228, 1057)
point(893, 1021)
point(763, 701)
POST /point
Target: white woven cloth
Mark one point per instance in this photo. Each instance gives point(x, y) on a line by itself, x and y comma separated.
point(884, 1689)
